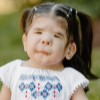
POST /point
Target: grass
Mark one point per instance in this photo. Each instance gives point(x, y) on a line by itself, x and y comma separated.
point(11, 48)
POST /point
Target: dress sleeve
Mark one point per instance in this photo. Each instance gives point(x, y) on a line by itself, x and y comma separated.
point(6, 72)
point(76, 79)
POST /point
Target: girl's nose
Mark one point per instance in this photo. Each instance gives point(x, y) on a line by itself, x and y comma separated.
point(46, 40)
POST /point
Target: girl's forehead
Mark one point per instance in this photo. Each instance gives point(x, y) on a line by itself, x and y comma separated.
point(59, 20)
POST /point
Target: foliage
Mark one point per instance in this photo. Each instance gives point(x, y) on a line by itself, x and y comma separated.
point(88, 6)
point(10, 38)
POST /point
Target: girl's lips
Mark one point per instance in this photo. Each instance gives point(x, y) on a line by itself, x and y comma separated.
point(44, 52)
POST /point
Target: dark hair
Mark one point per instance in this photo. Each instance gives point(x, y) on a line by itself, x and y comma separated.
point(79, 28)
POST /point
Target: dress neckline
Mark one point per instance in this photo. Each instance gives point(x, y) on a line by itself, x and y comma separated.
point(34, 68)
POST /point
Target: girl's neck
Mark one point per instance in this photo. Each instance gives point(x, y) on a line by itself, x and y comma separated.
point(58, 66)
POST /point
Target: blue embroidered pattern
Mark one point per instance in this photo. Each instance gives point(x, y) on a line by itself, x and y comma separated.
point(38, 77)
point(22, 86)
point(45, 94)
point(34, 88)
point(59, 87)
point(48, 86)
point(34, 94)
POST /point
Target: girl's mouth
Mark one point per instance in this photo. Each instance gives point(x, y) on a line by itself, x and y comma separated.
point(44, 52)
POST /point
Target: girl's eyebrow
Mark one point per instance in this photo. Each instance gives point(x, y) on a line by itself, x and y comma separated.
point(38, 29)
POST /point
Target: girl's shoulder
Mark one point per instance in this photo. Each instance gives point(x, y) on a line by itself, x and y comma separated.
point(75, 78)
point(7, 71)
point(74, 74)
point(13, 63)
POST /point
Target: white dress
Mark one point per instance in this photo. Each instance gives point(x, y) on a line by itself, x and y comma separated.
point(40, 84)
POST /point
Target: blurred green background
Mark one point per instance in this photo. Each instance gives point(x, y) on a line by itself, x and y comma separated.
point(11, 47)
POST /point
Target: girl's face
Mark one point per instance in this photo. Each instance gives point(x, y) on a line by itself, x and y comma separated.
point(45, 42)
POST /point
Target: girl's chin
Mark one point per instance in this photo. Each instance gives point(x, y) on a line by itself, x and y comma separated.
point(46, 63)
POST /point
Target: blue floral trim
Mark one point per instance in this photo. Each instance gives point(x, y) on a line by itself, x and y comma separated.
point(37, 90)
point(44, 93)
point(32, 86)
point(22, 86)
point(48, 86)
point(38, 77)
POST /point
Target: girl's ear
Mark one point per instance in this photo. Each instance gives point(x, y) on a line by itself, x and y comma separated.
point(24, 40)
point(70, 50)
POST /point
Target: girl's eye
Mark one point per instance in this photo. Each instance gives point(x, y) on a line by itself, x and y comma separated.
point(38, 32)
point(56, 36)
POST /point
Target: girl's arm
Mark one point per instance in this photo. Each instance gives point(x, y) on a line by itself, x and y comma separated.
point(79, 94)
point(5, 93)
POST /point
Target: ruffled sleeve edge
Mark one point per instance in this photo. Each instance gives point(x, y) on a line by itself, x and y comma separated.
point(84, 84)
point(4, 82)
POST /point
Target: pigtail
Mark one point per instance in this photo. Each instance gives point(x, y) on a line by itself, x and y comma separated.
point(86, 43)
point(23, 19)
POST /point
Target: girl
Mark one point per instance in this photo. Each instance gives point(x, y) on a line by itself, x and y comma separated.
point(59, 56)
